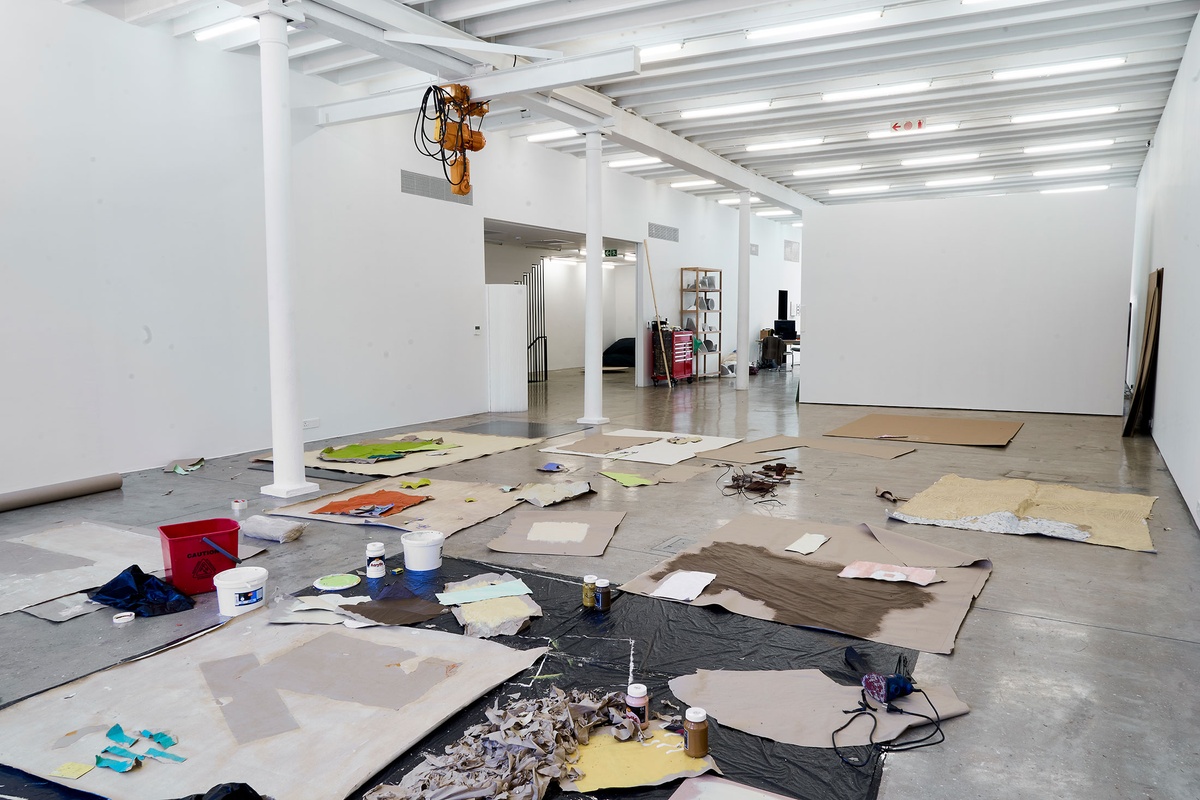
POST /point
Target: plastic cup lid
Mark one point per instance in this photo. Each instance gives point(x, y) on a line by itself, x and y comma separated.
point(696, 714)
point(636, 690)
point(601, 582)
point(590, 579)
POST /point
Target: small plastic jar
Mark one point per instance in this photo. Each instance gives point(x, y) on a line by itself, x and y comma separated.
point(376, 561)
point(637, 703)
point(603, 595)
point(589, 591)
point(695, 732)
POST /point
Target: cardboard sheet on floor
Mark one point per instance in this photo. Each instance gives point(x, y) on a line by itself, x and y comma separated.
point(659, 447)
point(610, 764)
point(629, 480)
point(773, 448)
point(70, 557)
point(549, 494)
point(602, 444)
point(1025, 507)
point(804, 707)
point(709, 787)
point(469, 446)
point(680, 473)
point(455, 505)
point(931, 430)
point(62, 609)
point(559, 533)
point(758, 577)
point(274, 705)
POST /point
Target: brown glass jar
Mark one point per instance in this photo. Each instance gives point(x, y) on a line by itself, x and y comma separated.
point(695, 733)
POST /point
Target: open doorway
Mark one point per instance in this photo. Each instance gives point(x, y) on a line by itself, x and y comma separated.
point(552, 264)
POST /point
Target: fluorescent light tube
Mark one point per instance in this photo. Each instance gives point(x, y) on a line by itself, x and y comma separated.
point(876, 91)
point(816, 26)
point(1056, 69)
point(725, 111)
point(797, 224)
point(1058, 173)
point(229, 26)
point(1071, 189)
point(789, 145)
point(692, 184)
point(644, 161)
point(552, 136)
point(630, 257)
point(934, 184)
point(943, 127)
point(929, 161)
point(874, 189)
point(1068, 146)
point(733, 201)
point(815, 171)
point(774, 212)
point(659, 52)
point(1074, 113)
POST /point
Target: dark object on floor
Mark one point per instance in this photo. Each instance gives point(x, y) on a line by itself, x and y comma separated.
point(145, 595)
point(890, 496)
point(596, 651)
point(523, 429)
point(227, 791)
point(19, 783)
point(620, 353)
point(316, 473)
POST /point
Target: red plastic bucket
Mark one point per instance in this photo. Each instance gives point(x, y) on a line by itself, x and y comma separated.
point(191, 563)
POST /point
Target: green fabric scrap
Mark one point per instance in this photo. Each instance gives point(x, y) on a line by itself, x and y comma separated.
point(414, 484)
point(488, 592)
point(629, 480)
point(370, 452)
point(161, 755)
point(184, 469)
point(117, 734)
point(161, 738)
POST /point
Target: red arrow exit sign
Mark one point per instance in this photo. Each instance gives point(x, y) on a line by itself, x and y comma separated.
point(907, 125)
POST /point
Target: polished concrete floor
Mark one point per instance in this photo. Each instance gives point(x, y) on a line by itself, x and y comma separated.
point(1081, 663)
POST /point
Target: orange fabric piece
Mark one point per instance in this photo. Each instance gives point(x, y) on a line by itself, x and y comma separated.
point(399, 501)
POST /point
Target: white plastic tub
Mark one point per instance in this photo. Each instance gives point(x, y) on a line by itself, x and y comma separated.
point(422, 550)
point(240, 590)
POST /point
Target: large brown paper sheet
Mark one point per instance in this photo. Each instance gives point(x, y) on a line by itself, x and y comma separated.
point(469, 446)
point(1025, 507)
point(559, 533)
point(771, 449)
point(931, 430)
point(602, 444)
point(455, 505)
point(324, 712)
point(758, 577)
point(804, 706)
point(659, 447)
point(607, 763)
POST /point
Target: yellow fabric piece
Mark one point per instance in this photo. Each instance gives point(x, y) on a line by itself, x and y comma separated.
point(609, 764)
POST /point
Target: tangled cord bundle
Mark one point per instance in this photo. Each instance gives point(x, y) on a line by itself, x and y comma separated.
point(442, 112)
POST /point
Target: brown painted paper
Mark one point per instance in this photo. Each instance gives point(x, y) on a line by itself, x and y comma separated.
point(931, 430)
point(771, 449)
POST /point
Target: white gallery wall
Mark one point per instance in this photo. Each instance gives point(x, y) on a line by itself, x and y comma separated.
point(131, 253)
point(1014, 303)
point(1168, 238)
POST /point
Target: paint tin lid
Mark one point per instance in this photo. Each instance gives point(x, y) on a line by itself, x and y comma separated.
point(590, 578)
point(601, 583)
point(375, 549)
point(124, 618)
point(636, 690)
point(696, 714)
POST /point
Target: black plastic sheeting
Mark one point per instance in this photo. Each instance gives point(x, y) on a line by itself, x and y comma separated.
point(662, 640)
point(19, 783)
point(145, 595)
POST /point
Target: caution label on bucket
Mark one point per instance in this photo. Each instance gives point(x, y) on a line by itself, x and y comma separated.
point(203, 569)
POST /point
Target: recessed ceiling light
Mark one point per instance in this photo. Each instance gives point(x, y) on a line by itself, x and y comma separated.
point(692, 184)
point(797, 224)
point(630, 257)
point(1074, 113)
point(929, 161)
point(815, 171)
point(873, 189)
point(552, 136)
point(968, 181)
point(793, 144)
point(876, 91)
point(816, 26)
point(1068, 146)
point(229, 26)
point(644, 161)
point(733, 201)
point(659, 52)
point(1058, 173)
point(941, 127)
point(725, 111)
point(1057, 69)
point(1072, 189)
point(774, 212)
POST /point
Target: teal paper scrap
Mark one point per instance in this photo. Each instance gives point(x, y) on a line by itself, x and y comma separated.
point(161, 755)
point(116, 764)
point(118, 735)
point(161, 738)
point(123, 753)
point(506, 589)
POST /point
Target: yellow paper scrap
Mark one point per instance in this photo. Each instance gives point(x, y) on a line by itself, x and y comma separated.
point(72, 770)
point(609, 764)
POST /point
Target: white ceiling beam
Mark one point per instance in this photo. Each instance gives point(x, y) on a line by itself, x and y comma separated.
point(465, 46)
point(519, 80)
point(305, 43)
point(456, 10)
point(205, 17)
point(578, 16)
point(333, 60)
point(151, 12)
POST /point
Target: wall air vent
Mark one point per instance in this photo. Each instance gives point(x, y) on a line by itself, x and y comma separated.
point(664, 232)
point(437, 188)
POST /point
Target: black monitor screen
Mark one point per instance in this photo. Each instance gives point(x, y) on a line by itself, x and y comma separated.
point(785, 328)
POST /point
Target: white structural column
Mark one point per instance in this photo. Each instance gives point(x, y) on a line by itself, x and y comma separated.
point(287, 441)
point(744, 357)
point(593, 303)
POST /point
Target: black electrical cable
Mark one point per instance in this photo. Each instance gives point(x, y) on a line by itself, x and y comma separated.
point(437, 104)
point(897, 747)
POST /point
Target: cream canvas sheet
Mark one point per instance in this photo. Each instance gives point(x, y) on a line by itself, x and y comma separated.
point(470, 446)
point(764, 585)
point(660, 451)
point(559, 533)
point(774, 448)
point(296, 711)
point(455, 505)
point(1023, 507)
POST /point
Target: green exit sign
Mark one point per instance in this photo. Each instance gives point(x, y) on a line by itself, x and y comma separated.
point(610, 253)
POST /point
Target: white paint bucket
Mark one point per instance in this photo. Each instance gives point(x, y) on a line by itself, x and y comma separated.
point(422, 550)
point(240, 590)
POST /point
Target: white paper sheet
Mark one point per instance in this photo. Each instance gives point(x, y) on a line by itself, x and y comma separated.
point(683, 585)
point(807, 544)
